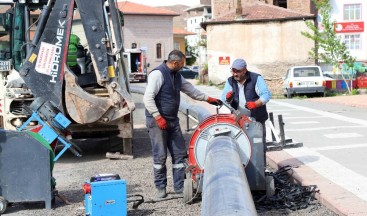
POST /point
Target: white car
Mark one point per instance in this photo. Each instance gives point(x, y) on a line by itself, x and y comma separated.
point(304, 80)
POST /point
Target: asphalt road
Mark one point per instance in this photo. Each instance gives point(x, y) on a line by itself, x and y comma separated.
point(334, 139)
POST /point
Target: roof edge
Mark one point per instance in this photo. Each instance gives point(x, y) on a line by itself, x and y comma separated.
point(205, 24)
point(150, 14)
point(196, 7)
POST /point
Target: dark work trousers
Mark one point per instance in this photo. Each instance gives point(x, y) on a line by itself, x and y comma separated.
point(170, 139)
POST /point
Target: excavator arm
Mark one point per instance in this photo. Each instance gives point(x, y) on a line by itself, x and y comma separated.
point(46, 73)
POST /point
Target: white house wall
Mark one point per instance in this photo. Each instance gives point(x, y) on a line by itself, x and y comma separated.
point(268, 47)
point(337, 15)
point(193, 25)
point(147, 32)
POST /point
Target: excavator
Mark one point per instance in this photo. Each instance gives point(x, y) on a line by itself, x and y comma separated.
point(53, 89)
point(93, 94)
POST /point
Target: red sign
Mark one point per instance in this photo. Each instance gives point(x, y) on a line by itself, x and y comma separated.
point(225, 60)
point(348, 27)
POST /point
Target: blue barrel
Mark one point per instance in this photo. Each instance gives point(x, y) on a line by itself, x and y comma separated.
point(344, 85)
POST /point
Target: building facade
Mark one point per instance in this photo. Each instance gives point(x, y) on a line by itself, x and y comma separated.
point(350, 23)
point(266, 36)
point(179, 39)
point(194, 17)
point(148, 29)
point(349, 16)
point(222, 7)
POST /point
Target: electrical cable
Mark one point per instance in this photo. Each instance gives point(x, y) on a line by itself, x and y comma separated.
point(287, 195)
point(197, 191)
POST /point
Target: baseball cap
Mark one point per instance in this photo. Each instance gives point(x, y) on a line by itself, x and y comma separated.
point(239, 64)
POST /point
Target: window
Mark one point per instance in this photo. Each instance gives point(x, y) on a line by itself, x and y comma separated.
point(159, 51)
point(280, 3)
point(306, 72)
point(352, 12)
point(176, 46)
point(352, 42)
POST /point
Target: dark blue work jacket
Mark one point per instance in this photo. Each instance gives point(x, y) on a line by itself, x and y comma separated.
point(168, 98)
point(260, 113)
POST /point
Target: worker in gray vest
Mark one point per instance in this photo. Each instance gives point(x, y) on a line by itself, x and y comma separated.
point(162, 101)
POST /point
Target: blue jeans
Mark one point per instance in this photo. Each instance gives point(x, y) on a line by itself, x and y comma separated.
point(170, 139)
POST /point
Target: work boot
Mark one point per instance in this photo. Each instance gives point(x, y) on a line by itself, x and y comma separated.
point(161, 193)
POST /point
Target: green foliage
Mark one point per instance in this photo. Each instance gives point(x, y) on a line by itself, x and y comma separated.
point(202, 43)
point(192, 51)
point(355, 92)
point(332, 94)
point(190, 61)
point(219, 86)
point(329, 48)
point(204, 69)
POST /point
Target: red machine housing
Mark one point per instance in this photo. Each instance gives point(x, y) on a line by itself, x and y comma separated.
point(205, 131)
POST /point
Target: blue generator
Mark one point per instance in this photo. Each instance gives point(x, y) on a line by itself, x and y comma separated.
point(105, 195)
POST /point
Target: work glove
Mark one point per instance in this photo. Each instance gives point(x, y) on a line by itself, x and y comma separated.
point(229, 96)
point(214, 101)
point(161, 122)
point(251, 105)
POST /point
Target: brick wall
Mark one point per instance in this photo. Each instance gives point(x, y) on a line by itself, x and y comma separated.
point(303, 6)
point(205, 2)
point(221, 7)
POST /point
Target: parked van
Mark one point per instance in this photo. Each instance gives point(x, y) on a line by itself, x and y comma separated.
point(303, 80)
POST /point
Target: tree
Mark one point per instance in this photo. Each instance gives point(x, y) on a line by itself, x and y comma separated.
point(329, 47)
point(192, 52)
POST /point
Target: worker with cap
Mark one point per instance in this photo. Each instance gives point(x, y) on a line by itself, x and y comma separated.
point(162, 101)
point(247, 92)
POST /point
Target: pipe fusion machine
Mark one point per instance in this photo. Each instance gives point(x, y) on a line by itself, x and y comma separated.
point(226, 162)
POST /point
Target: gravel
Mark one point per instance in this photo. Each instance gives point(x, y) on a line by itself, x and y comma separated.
point(71, 172)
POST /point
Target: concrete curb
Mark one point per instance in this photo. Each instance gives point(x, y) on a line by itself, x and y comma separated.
point(334, 197)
